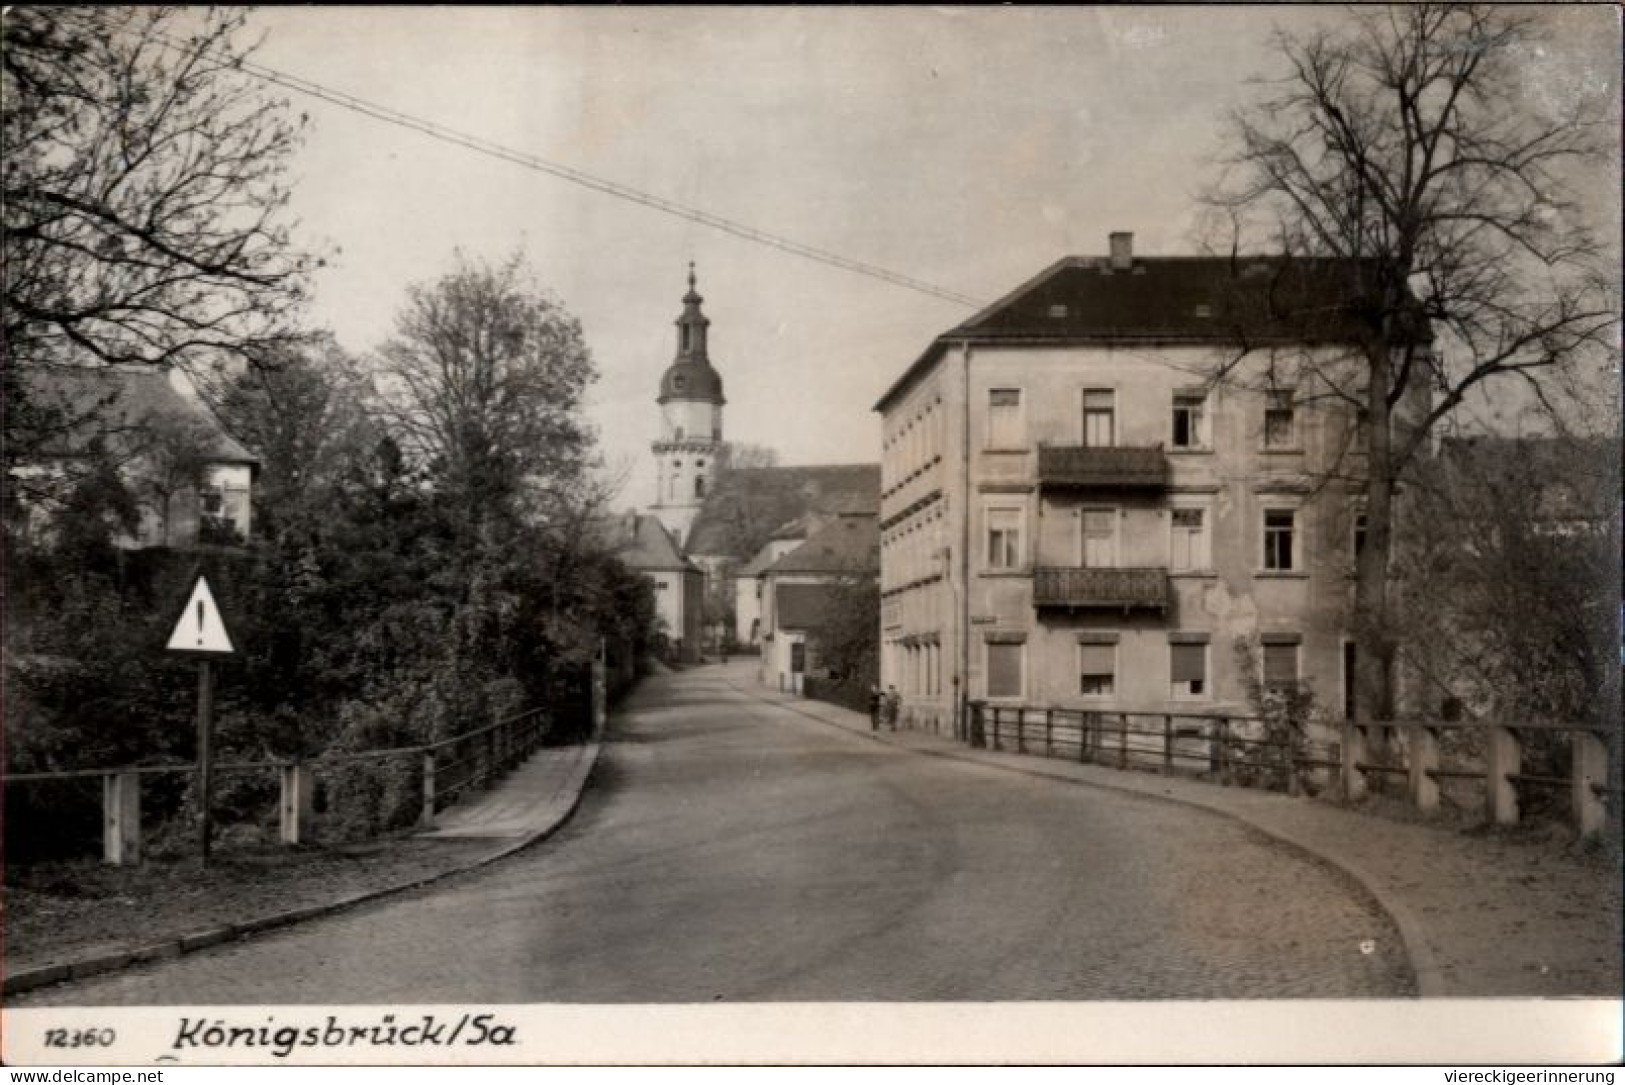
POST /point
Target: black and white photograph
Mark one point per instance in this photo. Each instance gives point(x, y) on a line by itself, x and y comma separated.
point(866, 535)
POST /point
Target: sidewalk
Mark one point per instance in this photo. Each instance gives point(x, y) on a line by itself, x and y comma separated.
point(526, 806)
point(1482, 914)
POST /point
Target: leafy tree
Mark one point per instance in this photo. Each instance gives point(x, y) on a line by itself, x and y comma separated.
point(1401, 144)
point(847, 637)
point(143, 196)
point(482, 386)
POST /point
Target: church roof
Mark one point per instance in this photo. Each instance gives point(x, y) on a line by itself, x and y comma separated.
point(691, 375)
point(748, 504)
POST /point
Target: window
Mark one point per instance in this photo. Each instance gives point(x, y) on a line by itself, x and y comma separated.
point(1097, 669)
point(1189, 550)
point(1004, 429)
point(1099, 538)
point(679, 433)
point(1359, 535)
point(1278, 536)
point(1279, 419)
point(212, 501)
point(1187, 670)
point(1004, 539)
point(1004, 669)
point(1057, 311)
point(699, 485)
point(1280, 661)
point(1189, 431)
point(798, 657)
point(1099, 417)
point(680, 382)
point(685, 339)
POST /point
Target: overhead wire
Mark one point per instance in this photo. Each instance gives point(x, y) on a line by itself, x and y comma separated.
point(584, 179)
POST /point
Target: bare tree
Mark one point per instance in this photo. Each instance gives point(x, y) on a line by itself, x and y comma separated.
point(1401, 148)
point(142, 194)
point(483, 382)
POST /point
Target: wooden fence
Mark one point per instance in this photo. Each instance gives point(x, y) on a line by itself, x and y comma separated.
point(447, 770)
point(1247, 750)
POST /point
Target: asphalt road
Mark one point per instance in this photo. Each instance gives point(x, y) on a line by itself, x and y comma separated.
point(731, 850)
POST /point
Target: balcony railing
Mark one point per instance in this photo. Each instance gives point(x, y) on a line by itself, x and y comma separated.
point(1078, 466)
point(1126, 589)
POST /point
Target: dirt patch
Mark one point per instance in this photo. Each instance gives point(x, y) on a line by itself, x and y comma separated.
point(65, 911)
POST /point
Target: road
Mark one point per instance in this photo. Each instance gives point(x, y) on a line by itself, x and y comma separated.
point(733, 850)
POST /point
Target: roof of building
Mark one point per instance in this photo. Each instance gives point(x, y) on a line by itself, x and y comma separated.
point(1241, 301)
point(848, 543)
point(800, 606)
point(642, 543)
point(691, 376)
point(749, 504)
point(124, 407)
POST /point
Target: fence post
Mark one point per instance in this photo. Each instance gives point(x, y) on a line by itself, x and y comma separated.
point(1353, 753)
point(1588, 757)
point(1083, 737)
point(426, 818)
point(1168, 745)
point(1289, 757)
point(1049, 732)
point(600, 697)
point(997, 714)
point(1226, 777)
point(121, 818)
point(1122, 740)
point(1423, 748)
point(1021, 730)
point(297, 809)
point(1502, 758)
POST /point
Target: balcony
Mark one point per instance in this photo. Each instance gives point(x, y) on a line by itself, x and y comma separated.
point(1080, 467)
point(1092, 589)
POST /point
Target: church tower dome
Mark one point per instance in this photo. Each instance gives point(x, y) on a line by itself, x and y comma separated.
point(691, 404)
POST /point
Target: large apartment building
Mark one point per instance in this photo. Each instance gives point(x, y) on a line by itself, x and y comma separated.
point(1127, 485)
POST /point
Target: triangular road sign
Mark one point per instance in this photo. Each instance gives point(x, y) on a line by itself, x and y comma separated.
point(201, 627)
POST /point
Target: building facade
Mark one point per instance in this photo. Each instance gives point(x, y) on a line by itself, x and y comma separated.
point(191, 480)
point(1131, 484)
point(799, 590)
point(690, 437)
point(643, 544)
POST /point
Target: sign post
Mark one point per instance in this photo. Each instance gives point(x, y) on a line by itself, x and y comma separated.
point(200, 631)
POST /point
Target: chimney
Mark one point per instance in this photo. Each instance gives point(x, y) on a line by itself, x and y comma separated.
point(1122, 250)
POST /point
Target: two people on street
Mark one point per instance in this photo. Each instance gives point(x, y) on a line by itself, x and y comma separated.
point(883, 707)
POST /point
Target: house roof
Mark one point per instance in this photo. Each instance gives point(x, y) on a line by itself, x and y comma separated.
point(642, 543)
point(847, 543)
point(749, 504)
point(800, 606)
point(123, 407)
point(1242, 301)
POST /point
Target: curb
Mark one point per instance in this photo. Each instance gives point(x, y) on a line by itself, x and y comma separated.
point(45, 975)
point(1412, 935)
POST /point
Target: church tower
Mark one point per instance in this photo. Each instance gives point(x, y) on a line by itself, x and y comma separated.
point(690, 422)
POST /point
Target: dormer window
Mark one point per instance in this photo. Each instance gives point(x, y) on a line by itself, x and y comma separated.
point(1058, 311)
point(680, 382)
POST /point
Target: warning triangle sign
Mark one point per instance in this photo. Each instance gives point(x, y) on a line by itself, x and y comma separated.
point(200, 628)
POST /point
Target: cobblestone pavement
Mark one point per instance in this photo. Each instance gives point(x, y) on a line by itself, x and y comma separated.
point(1491, 913)
point(734, 850)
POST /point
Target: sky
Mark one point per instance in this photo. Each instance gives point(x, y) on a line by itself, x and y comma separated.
point(970, 148)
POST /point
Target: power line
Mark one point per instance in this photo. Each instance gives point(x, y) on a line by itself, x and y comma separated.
point(587, 180)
